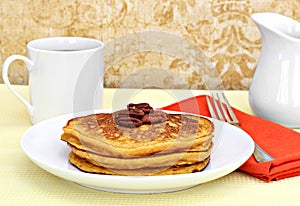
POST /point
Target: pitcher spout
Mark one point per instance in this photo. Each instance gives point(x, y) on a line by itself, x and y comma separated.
point(278, 24)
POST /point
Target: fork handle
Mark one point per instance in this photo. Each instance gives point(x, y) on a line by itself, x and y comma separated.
point(260, 155)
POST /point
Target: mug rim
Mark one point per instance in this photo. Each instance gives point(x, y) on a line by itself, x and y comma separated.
point(35, 45)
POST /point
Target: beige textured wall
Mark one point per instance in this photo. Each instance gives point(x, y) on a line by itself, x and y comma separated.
point(190, 43)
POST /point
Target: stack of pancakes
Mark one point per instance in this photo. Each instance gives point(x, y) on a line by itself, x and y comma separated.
point(176, 144)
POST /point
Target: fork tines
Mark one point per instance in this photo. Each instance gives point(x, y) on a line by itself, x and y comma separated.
point(220, 108)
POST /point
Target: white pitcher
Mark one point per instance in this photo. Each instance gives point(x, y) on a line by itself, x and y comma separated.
point(275, 88)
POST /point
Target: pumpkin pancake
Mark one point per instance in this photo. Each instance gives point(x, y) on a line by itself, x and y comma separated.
point(85, 166)
point(100, 134)
point(159, 160)
point(139, 141)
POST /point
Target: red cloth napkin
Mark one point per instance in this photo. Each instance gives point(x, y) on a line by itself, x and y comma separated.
point(280, 142)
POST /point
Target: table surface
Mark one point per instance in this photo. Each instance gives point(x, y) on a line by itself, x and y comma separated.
point(24, 183)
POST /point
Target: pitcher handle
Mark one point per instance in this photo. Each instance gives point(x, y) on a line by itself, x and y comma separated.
point(5, 68)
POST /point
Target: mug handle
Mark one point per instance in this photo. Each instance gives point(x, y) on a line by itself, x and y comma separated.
point(5, 68)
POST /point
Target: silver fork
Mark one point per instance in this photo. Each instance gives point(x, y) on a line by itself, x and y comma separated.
point(224, 112)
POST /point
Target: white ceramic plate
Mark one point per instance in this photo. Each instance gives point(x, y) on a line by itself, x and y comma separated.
point(42, 144)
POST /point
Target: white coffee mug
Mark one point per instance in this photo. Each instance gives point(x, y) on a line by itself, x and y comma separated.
point(65, 76)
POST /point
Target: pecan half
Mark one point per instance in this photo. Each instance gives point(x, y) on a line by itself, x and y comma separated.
point(137, 114)
point(128, 121)
point(145, 107)
point(133, 113)
point(154, 117)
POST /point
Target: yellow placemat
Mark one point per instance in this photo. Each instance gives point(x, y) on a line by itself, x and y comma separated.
point(24, 183)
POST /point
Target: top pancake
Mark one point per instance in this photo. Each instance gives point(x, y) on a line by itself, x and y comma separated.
point(100, 134)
